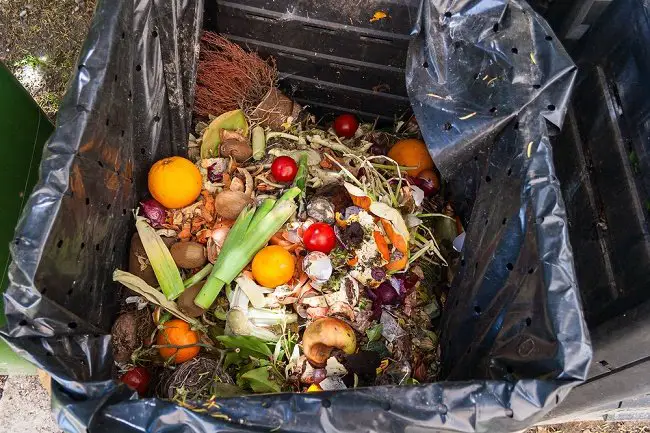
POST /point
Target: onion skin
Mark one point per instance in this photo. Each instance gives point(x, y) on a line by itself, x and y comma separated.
point(154, 212)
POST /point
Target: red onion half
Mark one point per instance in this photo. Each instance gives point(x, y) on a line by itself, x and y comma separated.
point(154, 212)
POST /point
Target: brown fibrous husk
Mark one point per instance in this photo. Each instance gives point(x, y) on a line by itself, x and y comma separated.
point(195, 377)
point(229, 77)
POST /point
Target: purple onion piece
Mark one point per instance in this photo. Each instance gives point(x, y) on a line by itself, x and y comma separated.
point(410, 280)
point(213, 175)
point(376, 310)
point(427, 186)
point(377, 149)
point(378, 274)
point(319, 375)
point(386, 294)
point(351, 210)
point(154, 212)
point(371, 294)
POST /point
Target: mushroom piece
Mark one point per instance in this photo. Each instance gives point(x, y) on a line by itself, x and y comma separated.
point(324, 335)
point(235, 145)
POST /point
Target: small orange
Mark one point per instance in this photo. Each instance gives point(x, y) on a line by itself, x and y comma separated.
point(412, 153)
point(175, 182)
point(177, 332)
point(273, 266)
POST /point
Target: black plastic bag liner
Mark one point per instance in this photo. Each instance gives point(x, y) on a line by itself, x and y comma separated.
point(487, 80)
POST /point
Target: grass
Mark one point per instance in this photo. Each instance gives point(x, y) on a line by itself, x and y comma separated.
point(40, 42)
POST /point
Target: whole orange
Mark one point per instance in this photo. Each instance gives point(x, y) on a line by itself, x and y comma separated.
point(177, 332)
point(175, 182)
point(273, 266)
point(412, 153)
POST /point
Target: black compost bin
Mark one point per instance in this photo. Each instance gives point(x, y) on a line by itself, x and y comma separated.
point(488, 82)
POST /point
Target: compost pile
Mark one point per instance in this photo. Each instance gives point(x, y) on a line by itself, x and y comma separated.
point(284, 254)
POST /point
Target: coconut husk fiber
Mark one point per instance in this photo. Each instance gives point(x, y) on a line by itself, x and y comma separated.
point(230, 78)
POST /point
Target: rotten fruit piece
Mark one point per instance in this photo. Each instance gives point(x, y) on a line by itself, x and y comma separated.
point(232, 121)
point(229, 204)
point(186, 301)
point(188, 255)
point(234, 145)
point(411, 153)
point(324, 335)
point(139, 263)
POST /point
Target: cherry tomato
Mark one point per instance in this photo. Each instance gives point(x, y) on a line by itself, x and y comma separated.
point(319, 237)
point(346, 125)
point(137, 378)
point(284, 169)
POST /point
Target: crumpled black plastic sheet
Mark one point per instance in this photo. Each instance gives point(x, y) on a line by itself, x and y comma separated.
point(487, 81)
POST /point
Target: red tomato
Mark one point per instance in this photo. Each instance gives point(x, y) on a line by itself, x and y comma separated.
point(319, 237)
point(137, 378)
point(284, 169)
point(346, 125)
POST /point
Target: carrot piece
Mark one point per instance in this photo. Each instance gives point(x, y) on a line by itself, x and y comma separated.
point(353, 261)
point(397, 265)
point(382, 246)
point(395, 238)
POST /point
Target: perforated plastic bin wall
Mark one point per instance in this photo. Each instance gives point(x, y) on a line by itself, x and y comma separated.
point(485, 79)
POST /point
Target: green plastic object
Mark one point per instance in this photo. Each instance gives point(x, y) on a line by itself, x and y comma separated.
point(24, 128)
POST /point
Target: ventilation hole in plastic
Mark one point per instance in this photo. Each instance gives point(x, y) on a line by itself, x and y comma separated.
point(515, 126)
point(549, 38)
point(82, 246)
point(70, 291)
point(22, 322)
point(107, 121)
point(447, 126)
point(123, 35)
point(488, 179)
point(156, 118)
point(531, 270)
point(509, 172)
point(114, 249)
point(115, 77)
point(557, 399)
point(154, 34)
point(17, 242)
point(108, 206)
point(477, 309)
point(97, 247)
point(462, 262)
point(551, 107)
point(72, 325)
point(87, 201)
point(130, 94)
point(142, 151)
point(43, 290)
point(469, 350)
point(122, 132)
point(514, 50)
point(59, 244)
point(326, 403)
point(529, 321)
point(448, 14)
point(509, 413)
point(476, 158)
point(509, 267)
point(123, 211)
point(425, 64)
point(493, 110)
point(48, 353)
point(487, 221)
point(385, 405)
point(101, 164)
point(540, 220)
point(138, 68)
point(504, 221)
point(509, 370)
point(475, 265)
point(495, 27)
point(536, 86)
